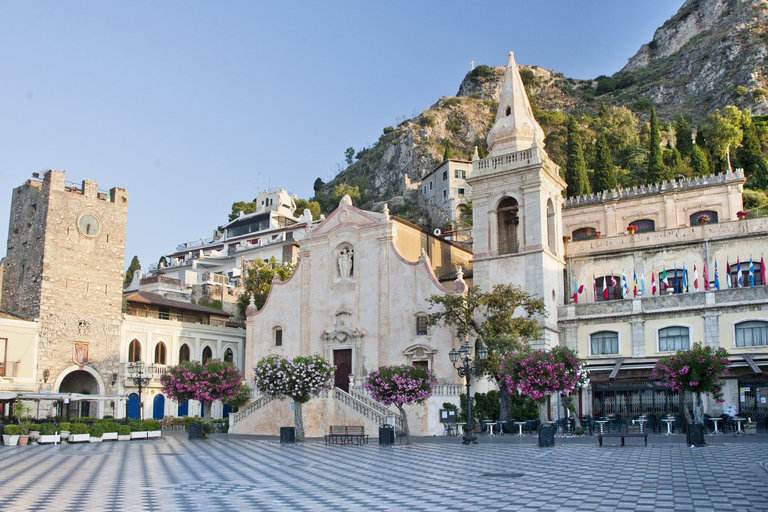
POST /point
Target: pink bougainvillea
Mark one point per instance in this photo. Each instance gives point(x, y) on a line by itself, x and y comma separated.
point(538, 373)
point(698, 370)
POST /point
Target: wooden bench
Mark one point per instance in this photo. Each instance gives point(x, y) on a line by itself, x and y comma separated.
point(338, 434)
point(644, 435)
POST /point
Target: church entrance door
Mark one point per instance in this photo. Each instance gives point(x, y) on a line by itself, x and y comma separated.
point(343, 361)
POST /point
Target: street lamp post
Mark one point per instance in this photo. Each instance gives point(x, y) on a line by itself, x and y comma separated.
point(136, 370)
point(467, 370)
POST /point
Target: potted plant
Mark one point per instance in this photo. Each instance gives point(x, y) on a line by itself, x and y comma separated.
point(567, 238)
point(598, 234)
point(49, 434)
point(153, 428)
point(21, 412)
point(742, 214)
point(96, 432)
point(703, 219)
point(124, 433)
point(110, 430)
point(137, 430)
point(631, 229)
point(11, 435)
point(34, 432)
point(79, 433)
point(64, 427)
point(750, 427)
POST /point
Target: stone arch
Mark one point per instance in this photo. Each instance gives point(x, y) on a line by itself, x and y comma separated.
point(420, 352)
point(508, 225)
point(551, 227)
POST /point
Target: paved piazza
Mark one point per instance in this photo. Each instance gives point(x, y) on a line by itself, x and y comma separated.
point(506, 473)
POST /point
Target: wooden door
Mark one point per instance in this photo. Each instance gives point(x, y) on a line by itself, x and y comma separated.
point(343, 361)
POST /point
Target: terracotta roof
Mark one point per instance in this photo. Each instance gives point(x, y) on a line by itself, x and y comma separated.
point(155, 299)
point(451, 276)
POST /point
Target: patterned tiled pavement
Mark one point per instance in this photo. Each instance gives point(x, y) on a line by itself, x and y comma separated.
point(502, 473)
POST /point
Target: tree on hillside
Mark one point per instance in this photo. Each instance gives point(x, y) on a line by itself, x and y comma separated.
point(246, 207)
point(723, 132)
point(312, 206)
point(751, 157)
point(299, 379)
point(699, 163)
point(215, 380)
point(605, 174)
point(349, 156)
point(345, 189)
point(258, 281)
point(134, 266)
point(318, 185)
point(575, 168)
point(506, 318)
point(657, 172)
point(683, 136)
point(401, 385)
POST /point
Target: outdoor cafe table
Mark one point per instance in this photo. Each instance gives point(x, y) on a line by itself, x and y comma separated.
point(520, 427)
point(715, 420)
point(602, 423)
point(641, 421)
point(739, 421)
point(669, 422)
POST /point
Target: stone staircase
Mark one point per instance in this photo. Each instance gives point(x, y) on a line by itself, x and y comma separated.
point(249, 409)
point(437, 215)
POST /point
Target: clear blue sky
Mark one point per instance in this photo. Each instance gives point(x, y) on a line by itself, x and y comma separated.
point(194, 105)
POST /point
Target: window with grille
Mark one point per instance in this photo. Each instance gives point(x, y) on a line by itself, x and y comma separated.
point(672, 339)
point(752, 334)
point(741, 269)
point(584, 234)
point(421, 325)
point(604, 342)
point(644, 225)
point(613, 285)
point(278, 337)
point(694, 219)
point(207, 354)
point(184, 353)
point(676, 282)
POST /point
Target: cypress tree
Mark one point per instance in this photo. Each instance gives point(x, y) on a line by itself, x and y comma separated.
point(656, 170)
point(135, 265)
point(751, 158)
point(575, 168)
point(699, 163)
point(605, 174)
point(683, 136)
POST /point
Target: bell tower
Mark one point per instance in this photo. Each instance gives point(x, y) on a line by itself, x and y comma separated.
point(517, 204)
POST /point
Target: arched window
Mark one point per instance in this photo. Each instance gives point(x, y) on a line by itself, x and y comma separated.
point(644, 225)
point(674, 338)
point(741, 269)
point(583, 234)
point(278, 337)
point(676, 281)
point(604, 342)
point(753, 333)
point(694, 219)
point(508, 223)
point(207, 354)
point(551, 230)
point(184, 353)
point(607, 288)
point(134, 351)
point(160, 353)
point(229, 356)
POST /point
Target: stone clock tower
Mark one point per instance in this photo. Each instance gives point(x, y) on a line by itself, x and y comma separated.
point(64, 265)
point(517, 204)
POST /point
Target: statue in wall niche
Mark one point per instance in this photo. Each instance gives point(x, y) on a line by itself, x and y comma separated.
point(346, 263)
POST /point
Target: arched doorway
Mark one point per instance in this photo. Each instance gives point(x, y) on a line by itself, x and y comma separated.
point(184, 409)
point(132, 409)
point(158, 407)
point(84, 383)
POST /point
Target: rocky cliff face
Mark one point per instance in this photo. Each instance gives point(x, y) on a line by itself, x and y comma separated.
point(711, 53)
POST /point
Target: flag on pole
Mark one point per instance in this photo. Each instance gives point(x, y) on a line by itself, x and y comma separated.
point(727, 273)
point(605, 288)
point(674, 280)
point(653, 282)
point(663, 282)
point(642, 282)
point(594, 287)
point(695, 279)
point(685, 280)
point(575, 291)
point(624, 287)
point(634, 282)
point(739, 280)
point(583, 288)
point(717, 277)
point(751, 273)
point(762, 271)
point(706, 277)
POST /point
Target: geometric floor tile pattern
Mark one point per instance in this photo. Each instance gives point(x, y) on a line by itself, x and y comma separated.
point(240, 473)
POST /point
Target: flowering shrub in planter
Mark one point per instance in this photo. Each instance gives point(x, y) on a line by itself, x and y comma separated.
point(401, 385)
point(79, 432)
point(698, 370)
point(538, 373)
point(300, 379)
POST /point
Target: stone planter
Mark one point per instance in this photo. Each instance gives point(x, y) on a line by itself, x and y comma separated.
point(64, 435)
point(123, 438)
point(139, 435)
point(10, 440)
point(109, 436)
point(154, 433)
point(750, 430)
point(34, 435)
point(53, 438)
point(79, 438)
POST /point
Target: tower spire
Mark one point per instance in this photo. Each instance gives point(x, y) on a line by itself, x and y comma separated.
point(515, 129)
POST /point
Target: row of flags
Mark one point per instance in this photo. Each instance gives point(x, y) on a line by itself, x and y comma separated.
point(636, 288)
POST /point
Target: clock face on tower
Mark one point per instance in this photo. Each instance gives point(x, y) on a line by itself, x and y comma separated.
point(88, 224)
